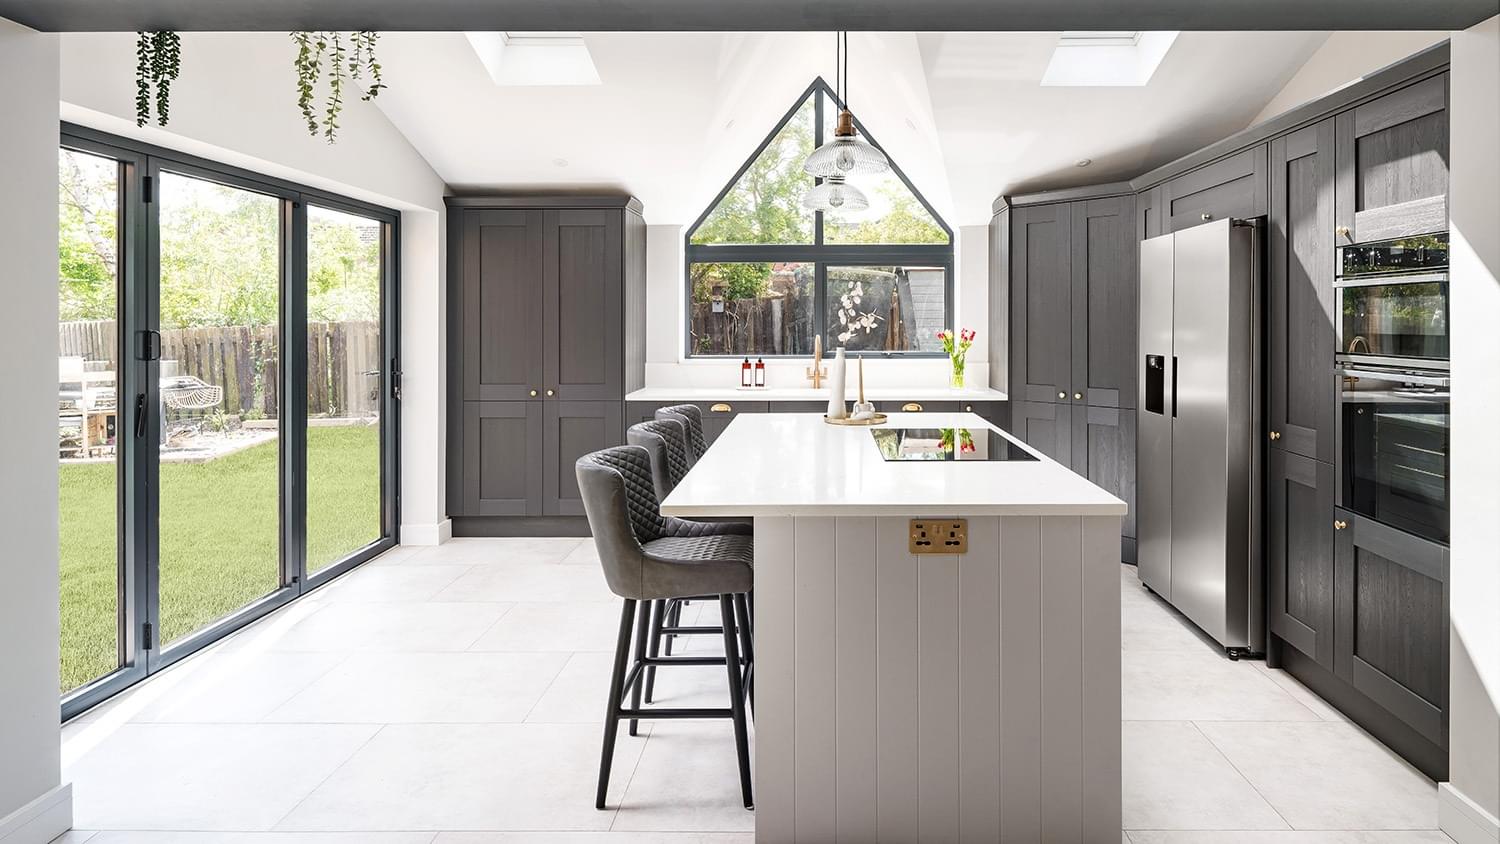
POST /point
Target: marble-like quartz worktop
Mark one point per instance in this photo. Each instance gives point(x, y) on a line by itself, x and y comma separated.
point(729, 394)
point(795, 464)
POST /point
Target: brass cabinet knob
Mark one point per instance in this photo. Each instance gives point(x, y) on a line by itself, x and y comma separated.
point(1207, 216)
point(1339, 524)
point(968, 408)
point(1062, 395)
point(1342, 231)
point(720, 408)
point(1078, 396)
point(1275, 435)
point(912, 407)
point(549, 392)
point(533, 393)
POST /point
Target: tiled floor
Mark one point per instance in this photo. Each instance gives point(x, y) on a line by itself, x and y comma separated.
point(451, 696)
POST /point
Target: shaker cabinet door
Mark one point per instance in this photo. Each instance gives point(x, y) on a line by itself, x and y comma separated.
point(1299, 553)
point(1301, 329)
point(1233, 187)
point(572, 429)
point(500, 292)
point(1393, 164)
point(1392, 642)
point(1041, 317)
point(501, 466)
point(1104, 452)
point(582, 312)
point(1104, 288)
point(1045, 426)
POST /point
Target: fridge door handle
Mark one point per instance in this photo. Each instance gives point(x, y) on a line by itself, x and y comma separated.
point(1174, 386)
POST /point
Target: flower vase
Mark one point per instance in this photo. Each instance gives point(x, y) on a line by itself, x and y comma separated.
point(956, 375)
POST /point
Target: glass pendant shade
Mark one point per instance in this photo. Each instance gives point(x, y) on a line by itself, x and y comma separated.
point(835, 195)
point(846, 154)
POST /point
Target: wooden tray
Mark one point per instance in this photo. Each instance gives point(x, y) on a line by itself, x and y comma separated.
point(877, 419)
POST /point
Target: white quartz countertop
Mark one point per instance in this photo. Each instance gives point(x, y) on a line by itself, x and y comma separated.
point(795, 464)
point(732, 394)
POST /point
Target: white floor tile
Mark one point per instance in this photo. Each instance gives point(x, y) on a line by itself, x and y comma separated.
point(555, 626)
point(1201, 685)
point(205, 776)
point(579, 694)
point(242, 686)
point(137, 837)
point(392, 688)
point(594, 838)
point(381, 627)
point(1328, 775)
point(1174, 778)
point(528, 582)
point(1303, 694)
point(476, 777)
point(687, 779)
point(498, 551)
point(380, 584)
point(75, 836)
point(584, 555)
point(1321, 837)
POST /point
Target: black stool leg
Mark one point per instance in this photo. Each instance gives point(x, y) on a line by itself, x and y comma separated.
point(642, 629)
point(616, 690)
point(736, 698)
point(674, 619)
point(653, 647)
point(747, 640)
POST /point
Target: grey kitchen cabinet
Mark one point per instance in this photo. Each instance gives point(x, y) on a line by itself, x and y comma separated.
point(1104, 294)
point(1045, 426)
point(1148, 213)
point(797, 407)
point(1300, 326)
point(1233, 187)
point(1392, 627)
point(1393, 164)
point(1299, 553)
point(546, 316)
point(1041, 316)
point(716, 414)
point(1096, 442)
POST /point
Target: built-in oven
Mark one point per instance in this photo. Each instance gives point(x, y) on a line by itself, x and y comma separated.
point(1393, 447)
point(1393, 302)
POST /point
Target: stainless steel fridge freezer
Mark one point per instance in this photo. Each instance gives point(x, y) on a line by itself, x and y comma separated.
point(1198, 504)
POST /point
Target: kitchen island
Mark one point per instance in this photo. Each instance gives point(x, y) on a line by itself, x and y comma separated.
point(932, 696)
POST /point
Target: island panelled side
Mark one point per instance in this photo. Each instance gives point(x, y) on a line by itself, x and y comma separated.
point(545, 292)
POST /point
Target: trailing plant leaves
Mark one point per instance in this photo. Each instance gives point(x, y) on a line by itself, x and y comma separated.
point(158, 60)
point(321, 54)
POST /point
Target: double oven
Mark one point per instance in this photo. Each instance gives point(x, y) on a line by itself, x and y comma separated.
point(1392, 362)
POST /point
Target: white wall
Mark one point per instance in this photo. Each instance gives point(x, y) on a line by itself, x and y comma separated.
point(1344, 58)
point(29, 764)
point(236, 102)
point(1473, 790)
point(666, 296)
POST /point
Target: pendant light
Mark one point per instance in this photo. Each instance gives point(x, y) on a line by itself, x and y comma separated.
point(835, 195)
point(845, 155)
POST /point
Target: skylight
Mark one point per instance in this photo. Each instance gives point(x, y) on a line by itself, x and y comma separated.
point(535, 58)
point(1100, 59)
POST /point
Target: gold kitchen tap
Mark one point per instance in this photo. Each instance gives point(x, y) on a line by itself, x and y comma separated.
point(817, 372)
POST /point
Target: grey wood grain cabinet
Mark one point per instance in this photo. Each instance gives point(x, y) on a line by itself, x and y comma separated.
point(1104, 294)
point(1301, 334)
point(1393, 164)
point(1096, 442)
point(546, 316)
point(1045, 426)
point(1233, 187)
point(1299, 553)
point(1392, 626)
point(1041, 315)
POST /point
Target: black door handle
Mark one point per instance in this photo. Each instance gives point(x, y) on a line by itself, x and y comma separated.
point(140, 415)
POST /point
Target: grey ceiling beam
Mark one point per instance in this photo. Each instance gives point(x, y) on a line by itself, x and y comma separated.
point(743, 15)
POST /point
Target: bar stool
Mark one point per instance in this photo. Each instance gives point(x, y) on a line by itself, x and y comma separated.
point(691, 417)
point(648, 557)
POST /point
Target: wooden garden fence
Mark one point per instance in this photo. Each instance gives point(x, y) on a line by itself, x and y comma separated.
point(244, 360)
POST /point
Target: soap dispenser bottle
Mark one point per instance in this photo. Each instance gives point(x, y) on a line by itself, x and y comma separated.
point(745, 376)
point(760, 372)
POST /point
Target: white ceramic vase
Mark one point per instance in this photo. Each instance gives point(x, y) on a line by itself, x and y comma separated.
point(836, 407)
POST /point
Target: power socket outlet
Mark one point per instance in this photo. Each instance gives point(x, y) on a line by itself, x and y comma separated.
point(939, 536)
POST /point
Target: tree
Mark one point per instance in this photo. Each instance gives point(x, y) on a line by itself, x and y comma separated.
point(906, 221)
point(87, 237)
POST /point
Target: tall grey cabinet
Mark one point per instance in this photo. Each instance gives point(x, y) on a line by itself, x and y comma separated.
point(546, 335)
point(1067, 263)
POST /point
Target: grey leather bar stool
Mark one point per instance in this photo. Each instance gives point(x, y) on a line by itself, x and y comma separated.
point(648, 558)
point(691, 417)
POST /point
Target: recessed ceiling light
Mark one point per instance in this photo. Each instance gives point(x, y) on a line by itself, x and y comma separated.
point(1083, 162)
point(729, 124)
point(911, 124)
point(560, 162)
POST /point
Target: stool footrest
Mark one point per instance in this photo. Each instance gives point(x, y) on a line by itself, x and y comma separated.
point(671, 714)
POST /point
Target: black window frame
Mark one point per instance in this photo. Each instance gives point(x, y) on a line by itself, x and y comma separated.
point(818, 253)
point(136, 546)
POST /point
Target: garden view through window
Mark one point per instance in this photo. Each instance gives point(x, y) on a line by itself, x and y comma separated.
point(765, 275)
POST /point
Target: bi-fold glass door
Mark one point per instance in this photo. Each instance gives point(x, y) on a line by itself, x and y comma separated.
point(227, 402)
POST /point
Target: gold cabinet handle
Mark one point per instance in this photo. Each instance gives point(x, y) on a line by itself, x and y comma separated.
point(1207, 216)
point(968, 408)
point(533, 393)
point(1275, 435)
point(911, 407)
point(1342, 231)
point(1339, 524)
point(720, 408)
point(1062, 395)
point(1077, 396)
point(549, 392)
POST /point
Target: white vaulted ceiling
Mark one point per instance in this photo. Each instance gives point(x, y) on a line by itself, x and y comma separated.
point(963, 114)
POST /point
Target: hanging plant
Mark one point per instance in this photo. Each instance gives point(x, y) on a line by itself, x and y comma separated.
point(347, 58)
point(158, 58)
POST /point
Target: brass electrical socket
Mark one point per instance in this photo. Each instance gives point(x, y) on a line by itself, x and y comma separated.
point(939, 536)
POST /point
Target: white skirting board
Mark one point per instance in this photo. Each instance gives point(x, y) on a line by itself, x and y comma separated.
point(430, 534)
point(1463, 820)
point(41, 820)
point(971, 697)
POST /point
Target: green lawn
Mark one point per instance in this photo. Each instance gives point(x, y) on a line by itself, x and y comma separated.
point(218, 537)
